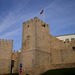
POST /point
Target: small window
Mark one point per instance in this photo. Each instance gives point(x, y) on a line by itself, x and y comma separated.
point(73, 48)
point(28, 36)
point(64, 42)
point(27, 26)
point(43, 25)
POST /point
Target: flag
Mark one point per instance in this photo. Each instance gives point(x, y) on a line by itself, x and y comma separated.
point(41, 11)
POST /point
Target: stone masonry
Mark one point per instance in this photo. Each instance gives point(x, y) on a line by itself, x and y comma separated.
point(41, 51)
point(16, 60)
point(5, 56)
point(35, 47)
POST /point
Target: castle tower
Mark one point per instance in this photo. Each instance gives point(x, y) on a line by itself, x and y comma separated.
point(35, 47)
point(5, 56)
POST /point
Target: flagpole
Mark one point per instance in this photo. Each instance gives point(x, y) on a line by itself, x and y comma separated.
point(43, 16)
point(42, 12)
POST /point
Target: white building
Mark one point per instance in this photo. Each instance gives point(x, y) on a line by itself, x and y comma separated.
point(66, 37)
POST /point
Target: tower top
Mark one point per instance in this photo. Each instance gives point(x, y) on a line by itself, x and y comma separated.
point(35, 19)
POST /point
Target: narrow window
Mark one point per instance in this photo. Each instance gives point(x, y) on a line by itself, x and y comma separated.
point(28, 37)
point(27, 26)
point(64, 42)
point(73, 48)
point(43, 25)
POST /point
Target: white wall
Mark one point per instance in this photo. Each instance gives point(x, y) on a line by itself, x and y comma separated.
point(63, 37)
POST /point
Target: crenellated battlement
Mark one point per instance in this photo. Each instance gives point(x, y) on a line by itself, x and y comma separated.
point(68, 41)
point(6, 47)
point(35, 20)
point(5, 40)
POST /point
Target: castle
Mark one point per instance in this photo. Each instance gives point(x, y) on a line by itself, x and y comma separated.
point(40, 51)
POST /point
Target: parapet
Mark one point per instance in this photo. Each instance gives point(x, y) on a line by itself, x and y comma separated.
point(72, 39)
point(2, 40)
point(13, 51)
point(61, 41)
point(35, 20)
point(68, 41)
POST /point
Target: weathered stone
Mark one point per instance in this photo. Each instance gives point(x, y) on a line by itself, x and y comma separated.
point(5, 56)
point(40, 51)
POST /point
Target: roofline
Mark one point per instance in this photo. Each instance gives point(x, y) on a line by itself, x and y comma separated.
point(65, 35)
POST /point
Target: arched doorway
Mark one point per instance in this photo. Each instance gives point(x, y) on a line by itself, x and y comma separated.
point(12, 66)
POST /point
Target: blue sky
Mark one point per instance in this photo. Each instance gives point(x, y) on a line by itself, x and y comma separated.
point(59, 14)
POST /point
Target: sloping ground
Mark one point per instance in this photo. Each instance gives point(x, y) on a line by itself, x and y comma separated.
point(13, 74)
point(66, 71)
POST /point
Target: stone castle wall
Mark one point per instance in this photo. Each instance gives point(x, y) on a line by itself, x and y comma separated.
point(16, 59)
point(35, 45)
point(62, 53)
point(41, 51)
point(5, 56)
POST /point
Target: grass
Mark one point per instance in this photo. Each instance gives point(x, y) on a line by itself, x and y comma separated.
point(66, 71)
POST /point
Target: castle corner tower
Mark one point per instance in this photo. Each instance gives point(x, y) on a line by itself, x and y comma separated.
point(35, 47)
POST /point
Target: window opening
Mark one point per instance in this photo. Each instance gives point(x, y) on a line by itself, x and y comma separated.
point(27, 26)
point(73, 48)
point(43, 25)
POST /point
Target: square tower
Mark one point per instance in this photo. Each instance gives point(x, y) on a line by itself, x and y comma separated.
point(5, 56)
point(35, 47)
